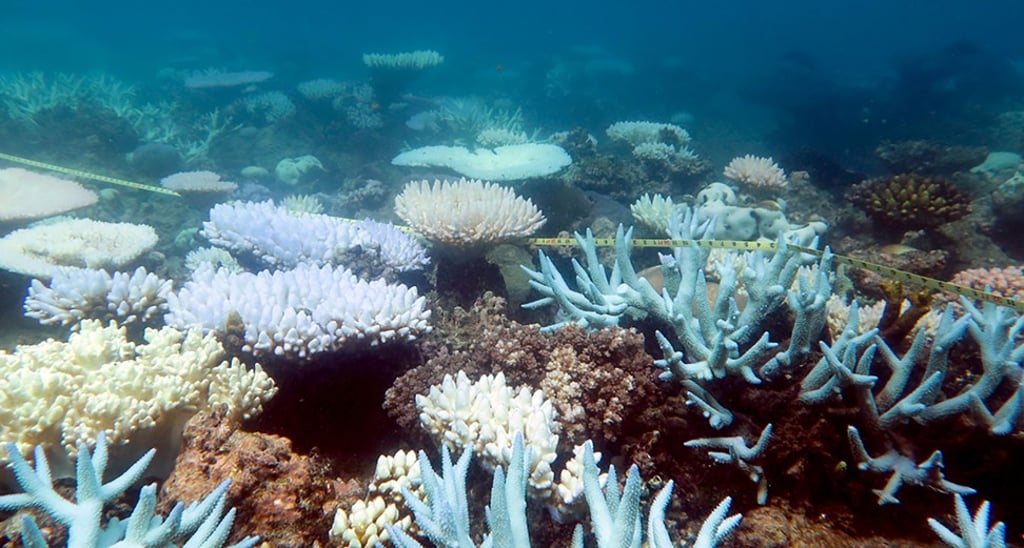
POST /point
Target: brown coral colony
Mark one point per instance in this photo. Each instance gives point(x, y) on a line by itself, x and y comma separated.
point(910, 202)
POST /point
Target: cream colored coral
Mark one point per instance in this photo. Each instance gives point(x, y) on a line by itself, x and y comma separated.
point(485, 415)
point(58, 394)
point(28, 195)
point(466, 212)
point(365, 524)
point(570, 483)
point(298, 204)
point(755, 171)
point(654, 212)
point(38, 250)
point(394, 473)
point(838, 310)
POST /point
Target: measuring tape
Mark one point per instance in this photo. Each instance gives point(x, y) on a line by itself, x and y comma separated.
point(888, 272)
point(86, 175)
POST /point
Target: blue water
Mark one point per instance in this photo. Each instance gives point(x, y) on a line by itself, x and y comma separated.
point(835, 74)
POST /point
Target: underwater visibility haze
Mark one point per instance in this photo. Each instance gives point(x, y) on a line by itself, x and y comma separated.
point(525, 273)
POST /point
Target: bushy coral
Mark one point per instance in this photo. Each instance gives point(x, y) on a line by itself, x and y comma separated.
point(1004, 282)
point(596, 380)
point(910, 202)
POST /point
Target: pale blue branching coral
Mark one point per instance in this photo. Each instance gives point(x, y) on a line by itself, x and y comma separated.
point(718, 338)
point(201, 524)
point(444, 516)
point(735, 451)
point(615, 514)
point(846, 368)
point(927, 473)
point(974, 532)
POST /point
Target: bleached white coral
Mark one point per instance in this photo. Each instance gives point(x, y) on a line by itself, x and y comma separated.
point(653, 212)
point(74, 294)
point(418, 59)
point(28, 195)
point(38, 250)
point(756, 171)
point(58, 394)
point(466, 212)
point(636, 133)
point(486, 414)
point(197, 182)
point(278, 238)
point(299, 312)
point(503, 163)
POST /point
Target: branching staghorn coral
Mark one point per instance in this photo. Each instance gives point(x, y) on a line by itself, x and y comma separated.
point(204, 522)
point(845, 371)
point(845, 368)
point(718, 338)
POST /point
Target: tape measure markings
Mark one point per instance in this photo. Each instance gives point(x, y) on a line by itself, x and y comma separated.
point(87, 175)
point(889, 272)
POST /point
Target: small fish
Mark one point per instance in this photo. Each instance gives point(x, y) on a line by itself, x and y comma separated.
point(500, 67)
point(898, 249)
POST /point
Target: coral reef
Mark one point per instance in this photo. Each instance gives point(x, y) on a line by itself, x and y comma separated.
point(279, 238)
point(140, 393)
point(584, 374)
point(910, 202)
point(466, 213)
point(503, 163)
point(280, 495)
point(756, 174)
point(298, 312)
point(74, 294)
point(201, 523)
point(40, 250)
point(29, 196)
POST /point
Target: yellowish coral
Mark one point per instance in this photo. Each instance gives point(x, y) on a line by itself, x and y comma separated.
point(364, 523)
point(467, 212)
point(58, 394)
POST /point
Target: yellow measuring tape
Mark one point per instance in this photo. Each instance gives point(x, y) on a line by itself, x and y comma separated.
point(888, 272)
point(87, 175)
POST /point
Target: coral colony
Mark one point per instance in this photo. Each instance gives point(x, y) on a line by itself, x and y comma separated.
point(261, 296)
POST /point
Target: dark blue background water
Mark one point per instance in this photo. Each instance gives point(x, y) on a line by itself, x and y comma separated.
point(820, 71)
